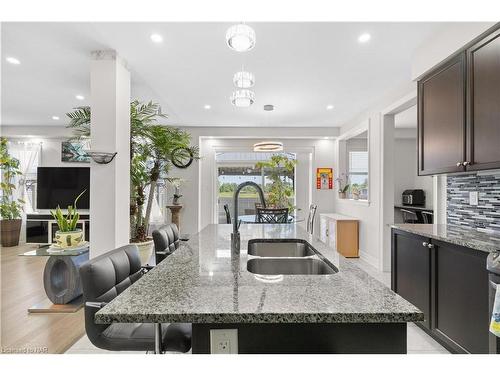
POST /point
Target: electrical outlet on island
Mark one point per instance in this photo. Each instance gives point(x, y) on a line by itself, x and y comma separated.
point(224, 341)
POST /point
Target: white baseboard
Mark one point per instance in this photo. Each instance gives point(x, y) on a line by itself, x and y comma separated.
point(368, 258)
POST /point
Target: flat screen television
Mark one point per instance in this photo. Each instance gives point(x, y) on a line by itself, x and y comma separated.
point(59, 186)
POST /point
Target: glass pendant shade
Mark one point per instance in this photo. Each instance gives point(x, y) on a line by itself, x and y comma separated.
point(240, 37)
point(243, 98)
point(243, 80)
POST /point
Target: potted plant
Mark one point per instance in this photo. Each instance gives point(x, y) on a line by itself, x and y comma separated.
point(154, 150)
point(68, 234)
point(343, 188)
point(355, 192)
point(176, 183)
point(10, 208)
point(279, 192)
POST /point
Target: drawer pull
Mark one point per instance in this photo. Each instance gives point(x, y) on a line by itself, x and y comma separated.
point(430, 246)
point(425, 244)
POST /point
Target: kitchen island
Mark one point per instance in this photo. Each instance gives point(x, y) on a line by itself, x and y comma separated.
point(205, 283)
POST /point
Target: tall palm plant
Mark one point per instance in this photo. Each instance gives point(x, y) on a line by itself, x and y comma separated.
point(154, 150)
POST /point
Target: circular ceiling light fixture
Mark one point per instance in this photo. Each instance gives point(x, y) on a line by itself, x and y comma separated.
point(243, 79)
point(80, 97)
point(240, 37)
point(55, 118)
point(243, 98)
point(329, 107)
point(156, 38)
point(268, 146)
point(365, 37)
point(12, 60)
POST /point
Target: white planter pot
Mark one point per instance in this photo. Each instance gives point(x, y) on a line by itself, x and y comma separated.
point(145, 250)
point(69, 239)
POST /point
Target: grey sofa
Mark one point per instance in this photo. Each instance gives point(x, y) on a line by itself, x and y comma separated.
point(105, 277)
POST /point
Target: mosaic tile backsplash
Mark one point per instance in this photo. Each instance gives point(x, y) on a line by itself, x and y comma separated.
point(486, 215)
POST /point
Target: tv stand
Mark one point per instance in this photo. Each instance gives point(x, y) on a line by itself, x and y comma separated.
point(41, 228)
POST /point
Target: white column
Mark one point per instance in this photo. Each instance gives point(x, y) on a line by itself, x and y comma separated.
point(110, 132)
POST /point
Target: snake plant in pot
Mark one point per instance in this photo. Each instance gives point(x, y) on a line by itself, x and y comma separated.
point(10, 208)
point(68, 234)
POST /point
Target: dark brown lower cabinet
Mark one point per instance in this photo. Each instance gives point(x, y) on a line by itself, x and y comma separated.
point(461, 297)
point(449, 283)
point(411, 276)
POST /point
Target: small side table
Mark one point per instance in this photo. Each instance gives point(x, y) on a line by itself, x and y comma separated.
point(175, 208)
point(61, 280)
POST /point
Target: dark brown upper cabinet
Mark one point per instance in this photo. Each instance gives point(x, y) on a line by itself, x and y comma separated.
point(441, 118)
point(483, 103)
point(459, 111)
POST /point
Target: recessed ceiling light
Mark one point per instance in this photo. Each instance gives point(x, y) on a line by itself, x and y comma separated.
point(80, 97)
point(13, 60)
point(157, 38)
point(207, 106)
point(365, 37)
point(329, 107)
point(55, 118)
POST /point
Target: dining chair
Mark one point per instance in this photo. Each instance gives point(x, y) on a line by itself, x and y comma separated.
point(272, 215)
point(228, 214)
point(310, 218)
point(428, 217)
point(409, 217)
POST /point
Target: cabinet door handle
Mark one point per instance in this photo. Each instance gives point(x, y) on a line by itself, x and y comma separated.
point(459, 164)
point(466, 163)
point(425, 244)
point(430, 246)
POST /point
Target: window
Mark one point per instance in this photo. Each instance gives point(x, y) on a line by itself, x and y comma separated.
point(236, 168)
point(354, 163)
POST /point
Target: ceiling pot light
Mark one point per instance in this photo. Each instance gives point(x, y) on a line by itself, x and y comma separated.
point(329, 107)
point(13, 60)
point(55, 118)
point(365, 37)
point(242, 98)
point(268, 146)
point(207, 106)
point(268, 107)
point(240, 37)
point(243, 79)
point(156, 38)
point(80, 97)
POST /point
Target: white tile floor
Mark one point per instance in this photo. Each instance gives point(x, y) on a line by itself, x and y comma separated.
point(418, 341)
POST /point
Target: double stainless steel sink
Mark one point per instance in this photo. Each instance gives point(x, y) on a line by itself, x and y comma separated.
point(285, 257)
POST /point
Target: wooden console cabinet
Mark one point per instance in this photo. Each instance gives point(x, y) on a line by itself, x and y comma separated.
point(340, 232)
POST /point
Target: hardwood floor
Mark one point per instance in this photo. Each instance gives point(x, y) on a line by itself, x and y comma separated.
point(22, 287)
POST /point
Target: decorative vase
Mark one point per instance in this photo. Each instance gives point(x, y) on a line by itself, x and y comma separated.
point(145, 250)
point(10, 230)
point(342, 195)
point(69, 239)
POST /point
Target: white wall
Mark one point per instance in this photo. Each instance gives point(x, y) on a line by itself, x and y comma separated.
point(367, 212)
point(405, 170)
point(197, 193)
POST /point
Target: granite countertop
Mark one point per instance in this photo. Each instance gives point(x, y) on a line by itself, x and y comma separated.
point(339, 217)
point(468, 237)
point(202, 283)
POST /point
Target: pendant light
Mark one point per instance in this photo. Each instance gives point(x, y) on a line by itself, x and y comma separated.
point(240, 38)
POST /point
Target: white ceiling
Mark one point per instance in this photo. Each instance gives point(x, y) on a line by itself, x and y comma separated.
point(299, 67)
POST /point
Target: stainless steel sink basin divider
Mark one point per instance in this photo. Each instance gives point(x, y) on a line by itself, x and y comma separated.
point(286, 257)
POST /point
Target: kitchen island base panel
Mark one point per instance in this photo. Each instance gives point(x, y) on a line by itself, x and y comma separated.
point(309, 338)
